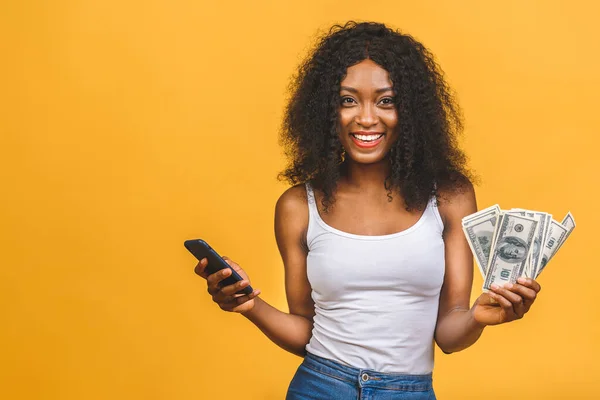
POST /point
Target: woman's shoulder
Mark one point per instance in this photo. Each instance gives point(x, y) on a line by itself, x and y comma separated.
point(293, 203)
point(291, 216)
point(457, 200)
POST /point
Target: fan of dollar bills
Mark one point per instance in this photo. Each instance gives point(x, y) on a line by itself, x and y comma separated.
point(508, 244)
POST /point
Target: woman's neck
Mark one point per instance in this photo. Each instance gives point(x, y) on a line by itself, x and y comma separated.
point(366, 177)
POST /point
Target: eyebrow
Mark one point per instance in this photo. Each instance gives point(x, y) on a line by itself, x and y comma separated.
point(353, 90)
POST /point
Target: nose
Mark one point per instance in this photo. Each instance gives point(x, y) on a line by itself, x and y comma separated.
point(366, 116)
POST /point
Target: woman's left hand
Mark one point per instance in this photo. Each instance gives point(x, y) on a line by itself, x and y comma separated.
point(507, 303)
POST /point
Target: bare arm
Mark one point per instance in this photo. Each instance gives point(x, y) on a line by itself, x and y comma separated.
point(291, 331)
point(458, 325)
point(456, 328)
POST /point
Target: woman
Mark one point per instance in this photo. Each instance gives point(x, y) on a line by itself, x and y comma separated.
point(376, 263)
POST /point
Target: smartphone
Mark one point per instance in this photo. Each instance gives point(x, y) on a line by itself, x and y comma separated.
point(200, 249)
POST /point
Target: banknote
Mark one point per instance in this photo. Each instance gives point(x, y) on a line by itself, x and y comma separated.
point(496, 231)
point(543, 229)
point(555, 236)
point(517, 211)
point(543, 220)
point(569, 223)
point(485, 232)
point(479, 233)
point(495, 209)
point(514, 238)
point(524, 213)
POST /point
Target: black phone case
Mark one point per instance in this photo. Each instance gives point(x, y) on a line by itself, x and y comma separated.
point(200, 249)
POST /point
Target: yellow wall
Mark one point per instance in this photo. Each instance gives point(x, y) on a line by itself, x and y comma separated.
point(127, 127)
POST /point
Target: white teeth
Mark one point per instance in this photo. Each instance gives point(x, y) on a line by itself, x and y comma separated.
point(367, 138)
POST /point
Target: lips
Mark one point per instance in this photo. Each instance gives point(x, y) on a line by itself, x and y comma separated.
point(367, 139)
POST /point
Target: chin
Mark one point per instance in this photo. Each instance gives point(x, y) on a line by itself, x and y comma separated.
point(367, 158)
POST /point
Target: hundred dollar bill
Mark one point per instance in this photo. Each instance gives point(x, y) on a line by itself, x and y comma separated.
point(497, 231)
point(514, 238)
point(555, 236)
point(543, 220)
point(540, 239)
point(479, 233)
point(524, 213)
point(569, 223)
point(495, 209)
point(517, 211)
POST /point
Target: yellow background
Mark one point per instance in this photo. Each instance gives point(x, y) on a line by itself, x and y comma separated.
point(129, 126)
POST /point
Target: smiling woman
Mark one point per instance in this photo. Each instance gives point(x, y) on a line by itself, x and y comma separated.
point(362, 74)
point(376, 263)
point(368, 117)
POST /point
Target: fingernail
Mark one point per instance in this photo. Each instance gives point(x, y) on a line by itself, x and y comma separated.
point(522, 280)
point(494, 286)
point(508, 285)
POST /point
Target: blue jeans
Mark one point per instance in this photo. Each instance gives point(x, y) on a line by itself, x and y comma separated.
point(320, 378)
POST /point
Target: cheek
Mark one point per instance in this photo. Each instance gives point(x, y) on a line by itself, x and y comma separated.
point(346, 116)
point(390, 119)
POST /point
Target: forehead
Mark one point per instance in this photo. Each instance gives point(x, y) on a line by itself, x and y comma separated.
point(365, 75)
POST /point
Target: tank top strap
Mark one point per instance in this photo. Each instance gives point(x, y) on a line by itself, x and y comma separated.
point(310, 194)
point(433, 205)
point(313, 214)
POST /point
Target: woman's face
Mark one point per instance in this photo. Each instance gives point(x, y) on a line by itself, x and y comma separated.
point(367, 113)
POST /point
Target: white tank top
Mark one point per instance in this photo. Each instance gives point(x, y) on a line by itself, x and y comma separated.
point(376, 297)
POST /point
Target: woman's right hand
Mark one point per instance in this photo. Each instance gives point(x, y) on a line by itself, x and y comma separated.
point(225, 296)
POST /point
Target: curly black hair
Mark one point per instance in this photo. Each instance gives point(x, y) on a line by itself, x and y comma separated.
point(425, 159)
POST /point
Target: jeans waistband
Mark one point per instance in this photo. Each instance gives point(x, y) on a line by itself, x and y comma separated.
point(368, 377)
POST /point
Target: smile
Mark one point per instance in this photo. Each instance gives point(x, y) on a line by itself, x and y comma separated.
point(367, 140)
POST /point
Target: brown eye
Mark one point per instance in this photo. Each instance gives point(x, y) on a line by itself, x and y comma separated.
point(347, 100)
point(386, 101)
